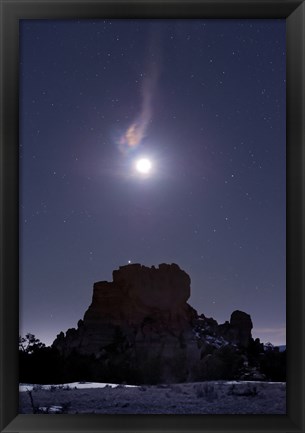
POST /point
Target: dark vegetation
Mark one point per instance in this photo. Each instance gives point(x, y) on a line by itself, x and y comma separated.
point(45, 365)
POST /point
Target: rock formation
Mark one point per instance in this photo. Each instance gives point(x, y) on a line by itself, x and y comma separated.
point(137, 293)
point(238, 331)
point(141, 323)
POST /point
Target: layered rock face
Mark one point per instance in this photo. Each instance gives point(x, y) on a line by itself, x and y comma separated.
point(141, 322)
point(138, 292)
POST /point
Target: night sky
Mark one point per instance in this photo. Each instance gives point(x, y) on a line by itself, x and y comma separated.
point(204, 102)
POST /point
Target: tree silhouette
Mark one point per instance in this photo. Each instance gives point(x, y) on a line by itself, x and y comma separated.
point(30, 344)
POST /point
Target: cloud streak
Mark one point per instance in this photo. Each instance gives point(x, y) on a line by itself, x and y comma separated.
point(137, 131)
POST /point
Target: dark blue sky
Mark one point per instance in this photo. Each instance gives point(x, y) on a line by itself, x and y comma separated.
point(204, 100)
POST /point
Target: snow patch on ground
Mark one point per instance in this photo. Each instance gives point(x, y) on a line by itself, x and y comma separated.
point(51, 409)
point(73, 385)
point(238, 382)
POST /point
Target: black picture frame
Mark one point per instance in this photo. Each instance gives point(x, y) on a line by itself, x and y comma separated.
point(294, 13)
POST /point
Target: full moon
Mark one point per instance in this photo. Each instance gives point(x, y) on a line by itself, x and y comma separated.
point(143, 165)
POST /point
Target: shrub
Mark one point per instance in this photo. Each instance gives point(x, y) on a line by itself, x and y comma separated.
point(249, 391)
point(37, 387)
point(176, 388)
point(206, 390)
point(142, 388)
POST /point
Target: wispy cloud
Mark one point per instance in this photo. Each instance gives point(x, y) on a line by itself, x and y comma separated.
point(135, 133)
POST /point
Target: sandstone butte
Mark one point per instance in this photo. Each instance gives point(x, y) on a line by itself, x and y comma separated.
point(143, 315)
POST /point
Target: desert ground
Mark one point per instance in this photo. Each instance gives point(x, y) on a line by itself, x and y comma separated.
point(213, 397)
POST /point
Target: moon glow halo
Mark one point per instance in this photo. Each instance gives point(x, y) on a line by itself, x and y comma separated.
point(143, 166)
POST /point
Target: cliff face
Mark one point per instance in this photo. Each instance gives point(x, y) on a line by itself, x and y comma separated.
point(137, 293)
point(142, 322)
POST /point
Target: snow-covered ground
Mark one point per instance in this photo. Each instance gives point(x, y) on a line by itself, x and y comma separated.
point(213, 397)
point(65, 386)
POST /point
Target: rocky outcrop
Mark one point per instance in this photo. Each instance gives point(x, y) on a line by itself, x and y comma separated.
point(141, 323)
point(138, 293)
point(238, 331)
